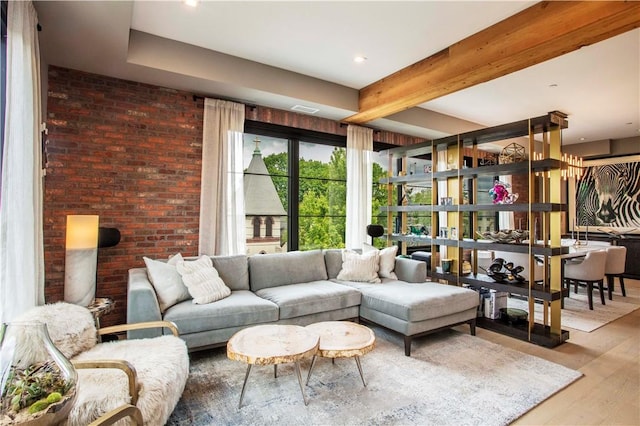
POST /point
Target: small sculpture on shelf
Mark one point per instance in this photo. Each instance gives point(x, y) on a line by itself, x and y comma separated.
point(501, 271)
point(500, 193)
point(505, 235)
point(418, 230)
point(512, 153)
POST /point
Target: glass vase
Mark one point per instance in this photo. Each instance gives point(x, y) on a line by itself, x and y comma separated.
point(37, 382)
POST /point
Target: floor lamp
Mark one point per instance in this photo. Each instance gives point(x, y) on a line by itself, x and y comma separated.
point(81, 257)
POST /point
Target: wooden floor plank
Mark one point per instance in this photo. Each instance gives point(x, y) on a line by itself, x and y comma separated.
point(609, 358)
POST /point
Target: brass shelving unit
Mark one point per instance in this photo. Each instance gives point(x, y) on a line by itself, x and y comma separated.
point(543, 175)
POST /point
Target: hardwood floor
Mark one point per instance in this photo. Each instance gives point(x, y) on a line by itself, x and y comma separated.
point(609, 358)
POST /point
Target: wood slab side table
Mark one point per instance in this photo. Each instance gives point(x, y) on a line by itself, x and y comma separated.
point(272, 344)
point(342, 339)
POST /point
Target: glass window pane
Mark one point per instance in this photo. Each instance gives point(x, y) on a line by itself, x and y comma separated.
point(379, 192)
point(265, 192)
point(419, 194)
point(322, 196)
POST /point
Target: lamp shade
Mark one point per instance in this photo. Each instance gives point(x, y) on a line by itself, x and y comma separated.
point(82, 231)
point(81, 256)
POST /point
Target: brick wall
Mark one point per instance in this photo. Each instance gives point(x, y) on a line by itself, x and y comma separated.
point(131, 153)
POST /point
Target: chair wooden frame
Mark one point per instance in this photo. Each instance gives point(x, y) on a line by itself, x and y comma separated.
point(127, 410)
point(120, 413)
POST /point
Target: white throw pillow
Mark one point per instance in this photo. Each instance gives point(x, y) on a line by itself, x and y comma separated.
point(166, 281)
point(387, 260)
point(360, 267)
point(203, 281)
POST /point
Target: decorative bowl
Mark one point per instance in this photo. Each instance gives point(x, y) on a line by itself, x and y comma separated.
point(513, 315)
point(505, 235)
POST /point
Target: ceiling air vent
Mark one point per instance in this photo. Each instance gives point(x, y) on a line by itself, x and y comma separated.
point(304, 109)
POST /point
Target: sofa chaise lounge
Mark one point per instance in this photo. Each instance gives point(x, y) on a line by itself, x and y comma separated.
point(302, 288)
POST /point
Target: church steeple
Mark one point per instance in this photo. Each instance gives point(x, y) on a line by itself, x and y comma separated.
point(260, 195)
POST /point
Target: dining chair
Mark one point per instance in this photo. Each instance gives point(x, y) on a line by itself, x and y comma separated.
point(589, 272)
point(616, 259)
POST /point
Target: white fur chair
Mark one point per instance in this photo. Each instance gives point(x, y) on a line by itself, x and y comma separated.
point(590, 271)
point(117, 378)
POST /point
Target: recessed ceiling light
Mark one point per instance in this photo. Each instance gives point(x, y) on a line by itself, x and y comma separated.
point(583, 139)
point(192, 3)
point(553, 85)
point(359, 59)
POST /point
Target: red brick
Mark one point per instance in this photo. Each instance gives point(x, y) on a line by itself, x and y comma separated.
point(109, 141)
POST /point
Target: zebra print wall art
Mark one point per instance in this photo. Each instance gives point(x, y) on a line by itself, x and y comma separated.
point(608, 194)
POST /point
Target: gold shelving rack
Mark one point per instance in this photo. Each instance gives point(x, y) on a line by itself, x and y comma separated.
point(545, 173)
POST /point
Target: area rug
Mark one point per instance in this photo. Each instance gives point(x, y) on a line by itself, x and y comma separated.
point(576, 313)
point(451, 378)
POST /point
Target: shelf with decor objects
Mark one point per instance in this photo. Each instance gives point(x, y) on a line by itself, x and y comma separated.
point(457, 168)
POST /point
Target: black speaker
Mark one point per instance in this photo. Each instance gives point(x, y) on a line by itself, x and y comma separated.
point(375, 230)
point(108, 237)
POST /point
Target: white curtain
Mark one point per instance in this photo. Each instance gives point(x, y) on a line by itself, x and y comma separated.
point(222, 219)
point(21, 241)
point(359, 184)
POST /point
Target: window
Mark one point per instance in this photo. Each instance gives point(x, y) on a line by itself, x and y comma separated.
point(322, 195)
point(266, 187)
point(379, 193)
point(296, 180)
point(256, 227)
point(269, 226)
point(419, 194)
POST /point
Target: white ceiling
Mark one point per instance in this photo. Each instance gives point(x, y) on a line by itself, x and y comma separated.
point(280, 54)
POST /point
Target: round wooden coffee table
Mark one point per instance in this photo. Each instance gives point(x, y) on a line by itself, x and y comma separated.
point(272, 344)
point(342, 339)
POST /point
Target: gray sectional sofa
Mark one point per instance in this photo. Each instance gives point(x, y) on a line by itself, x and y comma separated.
point(302, 288)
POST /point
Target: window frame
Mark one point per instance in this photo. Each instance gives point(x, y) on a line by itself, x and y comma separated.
point(295, 136)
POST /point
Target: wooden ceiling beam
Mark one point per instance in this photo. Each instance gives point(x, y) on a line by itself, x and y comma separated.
point(544, 31)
